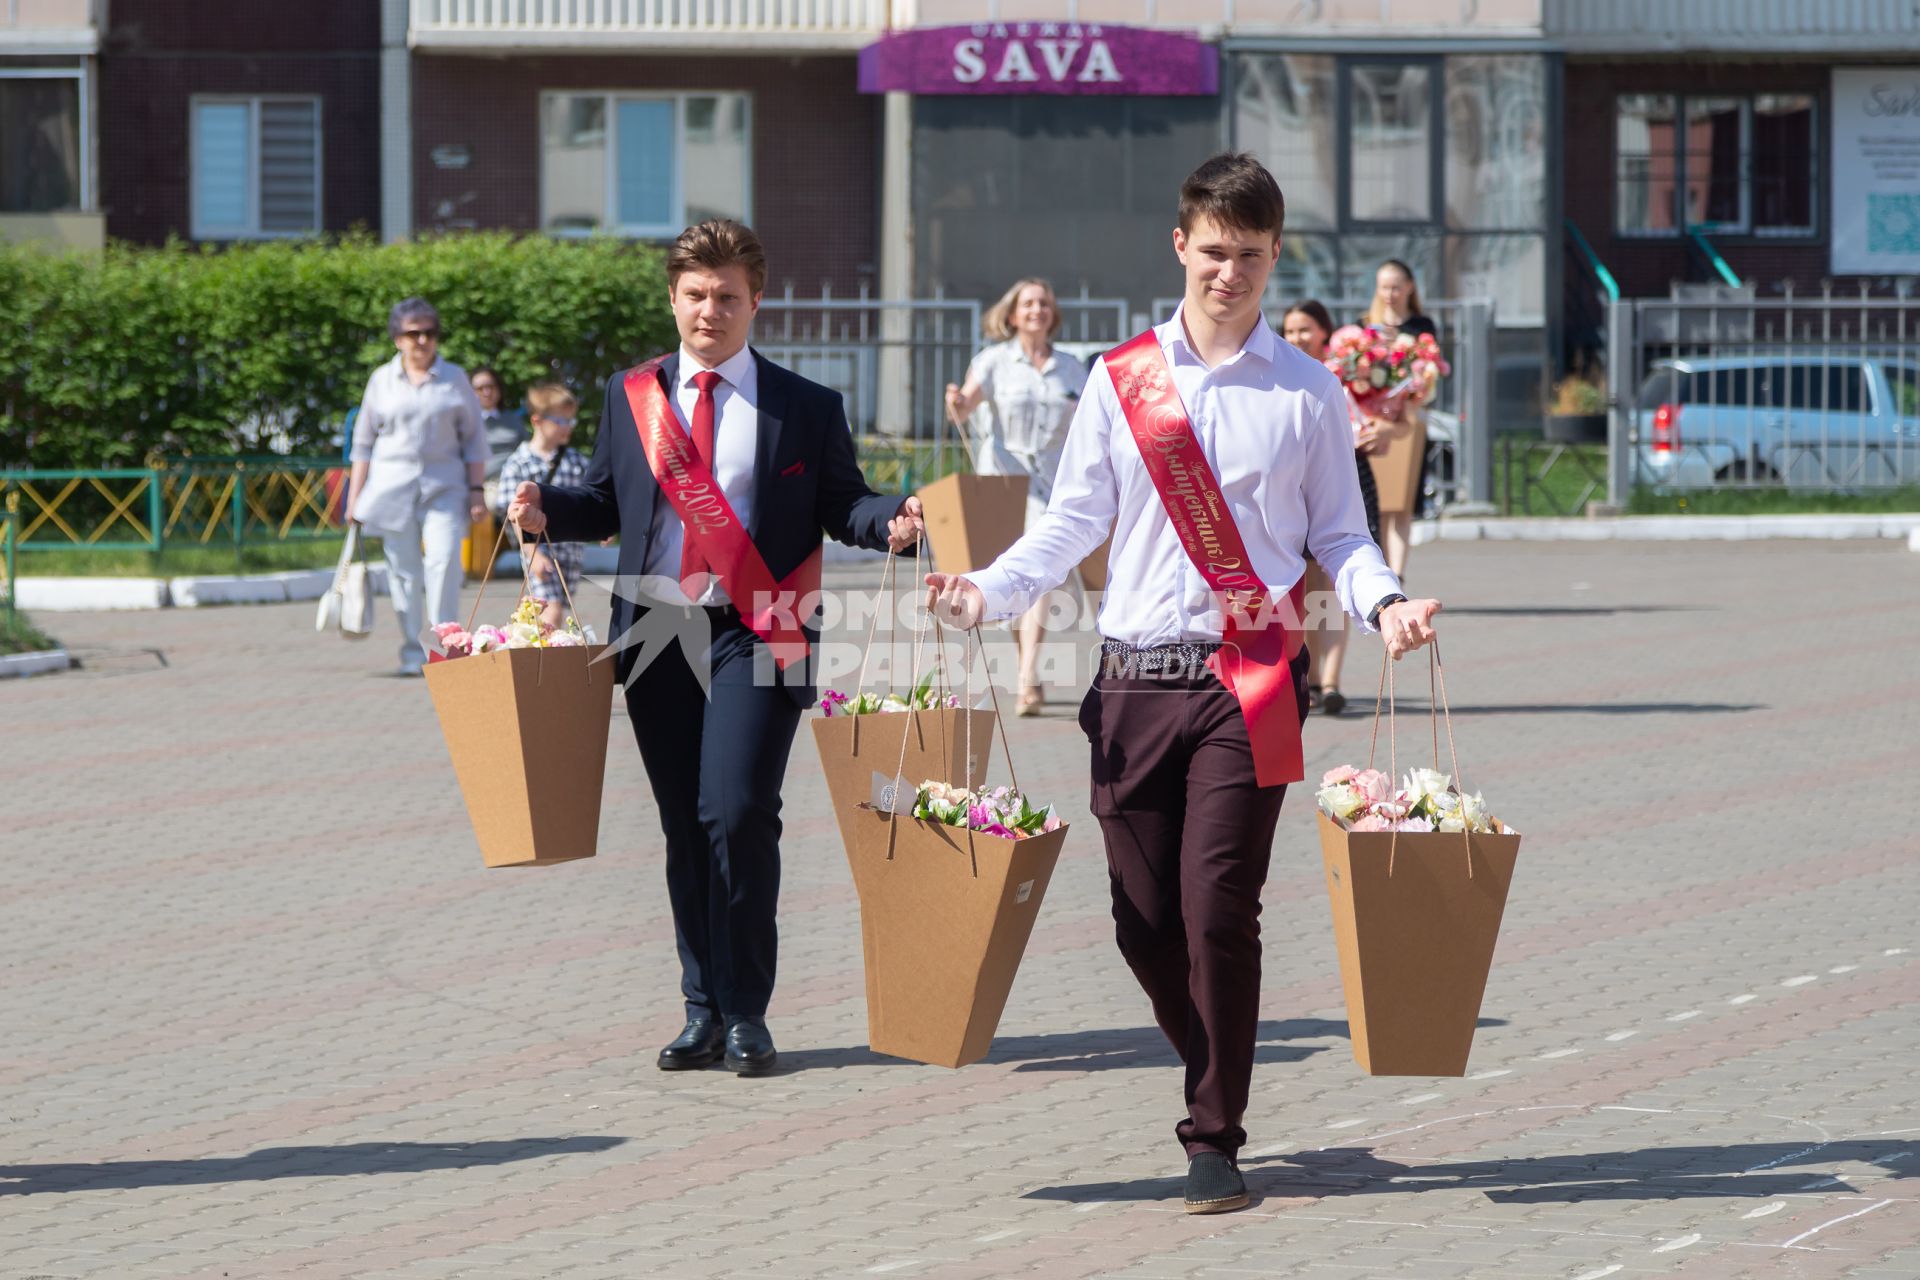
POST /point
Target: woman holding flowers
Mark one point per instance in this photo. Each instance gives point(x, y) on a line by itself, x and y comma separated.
point(1394, 311)
point(1308, 325)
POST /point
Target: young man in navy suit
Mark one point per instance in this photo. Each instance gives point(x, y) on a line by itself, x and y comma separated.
point(720, 471)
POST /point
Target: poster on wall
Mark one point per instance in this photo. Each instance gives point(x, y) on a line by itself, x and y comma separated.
point(1876, 170)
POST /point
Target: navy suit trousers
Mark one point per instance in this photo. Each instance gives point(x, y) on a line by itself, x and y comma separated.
point(716, 762)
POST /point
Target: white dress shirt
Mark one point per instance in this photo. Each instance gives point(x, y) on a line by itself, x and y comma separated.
point(416, 442)
point(1273, 425)
point(736, 438)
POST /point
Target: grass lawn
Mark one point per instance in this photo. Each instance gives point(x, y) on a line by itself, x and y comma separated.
point(19, 635)
point(188, 560)
point(1772, 502)
point(1542, 482)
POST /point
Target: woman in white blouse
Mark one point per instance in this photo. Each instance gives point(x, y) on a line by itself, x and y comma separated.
point(1030, 392)
point(419, 459)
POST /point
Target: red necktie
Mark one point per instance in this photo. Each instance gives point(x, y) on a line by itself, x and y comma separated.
point(693, 565)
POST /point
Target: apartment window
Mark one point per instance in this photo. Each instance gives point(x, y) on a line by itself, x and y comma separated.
point(256, 168)
point(643, 164)
point(1742, 164)
point(43, 167)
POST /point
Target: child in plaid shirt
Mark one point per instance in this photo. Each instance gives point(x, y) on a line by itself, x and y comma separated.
point(547, 459)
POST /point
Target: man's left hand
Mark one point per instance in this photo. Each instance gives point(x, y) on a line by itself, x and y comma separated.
point(1408, 625)
point(908, 527)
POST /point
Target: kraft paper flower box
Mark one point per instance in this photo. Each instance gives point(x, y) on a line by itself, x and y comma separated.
point(526, 726)
point(972, 519)
point(945, 913)
point(865, 740)
point(1418, 879)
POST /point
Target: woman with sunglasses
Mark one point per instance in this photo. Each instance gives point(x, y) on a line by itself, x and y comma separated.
point(419, 460)
point(553, 572)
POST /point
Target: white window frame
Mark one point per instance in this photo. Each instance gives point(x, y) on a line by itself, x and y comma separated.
point(1743, 224)
point(82, 76)
point(609, 214)
point(252, 230)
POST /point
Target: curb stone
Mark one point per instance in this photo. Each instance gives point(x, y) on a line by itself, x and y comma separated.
point(38, 663)
point(55, 595)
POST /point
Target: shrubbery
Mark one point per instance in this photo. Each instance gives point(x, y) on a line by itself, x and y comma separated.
point(159, 354)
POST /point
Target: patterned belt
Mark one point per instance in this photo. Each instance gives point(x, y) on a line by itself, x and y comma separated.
point(1188, 658)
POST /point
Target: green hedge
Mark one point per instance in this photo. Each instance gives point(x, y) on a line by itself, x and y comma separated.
point(149, 355)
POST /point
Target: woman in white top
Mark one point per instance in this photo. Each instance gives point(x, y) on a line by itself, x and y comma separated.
point(1029, 391)
point(419, 459)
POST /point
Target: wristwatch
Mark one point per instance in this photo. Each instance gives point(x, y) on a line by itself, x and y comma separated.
point(1373, 618)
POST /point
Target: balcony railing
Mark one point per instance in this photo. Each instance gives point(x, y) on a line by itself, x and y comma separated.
point(603, 24)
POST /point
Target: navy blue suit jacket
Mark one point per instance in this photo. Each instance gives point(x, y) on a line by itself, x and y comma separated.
point(806, 482)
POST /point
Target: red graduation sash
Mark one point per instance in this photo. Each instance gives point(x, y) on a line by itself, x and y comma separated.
point(708, 520)
point(1257, 650)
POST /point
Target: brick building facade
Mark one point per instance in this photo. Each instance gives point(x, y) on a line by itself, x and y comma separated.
point(158, 57)
point(812, 141)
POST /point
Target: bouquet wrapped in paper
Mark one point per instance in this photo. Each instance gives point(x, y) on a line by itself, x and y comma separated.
point(1382, 374)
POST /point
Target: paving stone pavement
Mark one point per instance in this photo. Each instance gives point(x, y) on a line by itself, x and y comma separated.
point(263, 1013)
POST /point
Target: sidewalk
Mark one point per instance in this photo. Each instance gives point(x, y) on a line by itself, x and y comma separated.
point(266, 1015)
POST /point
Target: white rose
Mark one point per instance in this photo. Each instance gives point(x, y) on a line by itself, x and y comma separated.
point(1426, 782)
point(1342, 802)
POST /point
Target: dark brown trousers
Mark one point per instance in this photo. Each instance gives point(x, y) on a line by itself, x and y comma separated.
point(1189, 834)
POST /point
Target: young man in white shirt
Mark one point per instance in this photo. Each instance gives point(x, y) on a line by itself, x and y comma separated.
point(1247, 466)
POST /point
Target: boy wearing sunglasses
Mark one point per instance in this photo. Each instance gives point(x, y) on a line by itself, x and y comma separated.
point(547, 459)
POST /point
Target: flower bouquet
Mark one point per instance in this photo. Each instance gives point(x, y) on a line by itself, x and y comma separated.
point(949, 889)
point(1418, 878)
point(920, 698)
point(1365, 800)
point(1002, 811)
point(526, 629)
point(524, 709)
point(1383, 376)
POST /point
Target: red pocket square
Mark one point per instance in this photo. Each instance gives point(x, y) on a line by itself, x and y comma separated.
point(795, 469)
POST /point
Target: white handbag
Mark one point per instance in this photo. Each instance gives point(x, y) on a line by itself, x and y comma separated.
point(348, 604)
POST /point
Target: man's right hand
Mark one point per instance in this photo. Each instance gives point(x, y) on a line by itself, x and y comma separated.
point(954, 601)
point(524, 511)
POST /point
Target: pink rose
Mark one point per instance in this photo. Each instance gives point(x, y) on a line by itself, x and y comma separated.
point(1373, 784)
point(1413, 824)
point(454, 641)
point(1369, 822)
point(1334, 777)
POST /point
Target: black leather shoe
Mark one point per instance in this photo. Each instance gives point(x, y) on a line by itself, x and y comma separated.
point(1214, 1185)
point(700, 1045)
point(749, 1046)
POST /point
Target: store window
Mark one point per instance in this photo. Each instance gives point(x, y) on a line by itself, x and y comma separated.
point(643, 164)
point(1391, 109)
point(1739, 164)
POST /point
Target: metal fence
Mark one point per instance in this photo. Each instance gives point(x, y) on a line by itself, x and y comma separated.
point(892, 359)
point(1729, 390)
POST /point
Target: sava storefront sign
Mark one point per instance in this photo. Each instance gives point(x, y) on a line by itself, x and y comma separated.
point(1876, 170)
point(1040, 57)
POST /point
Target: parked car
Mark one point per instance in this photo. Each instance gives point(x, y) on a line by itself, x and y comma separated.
point(1802, 419)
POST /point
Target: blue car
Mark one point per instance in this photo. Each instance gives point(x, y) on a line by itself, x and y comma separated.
point(1825, 421)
